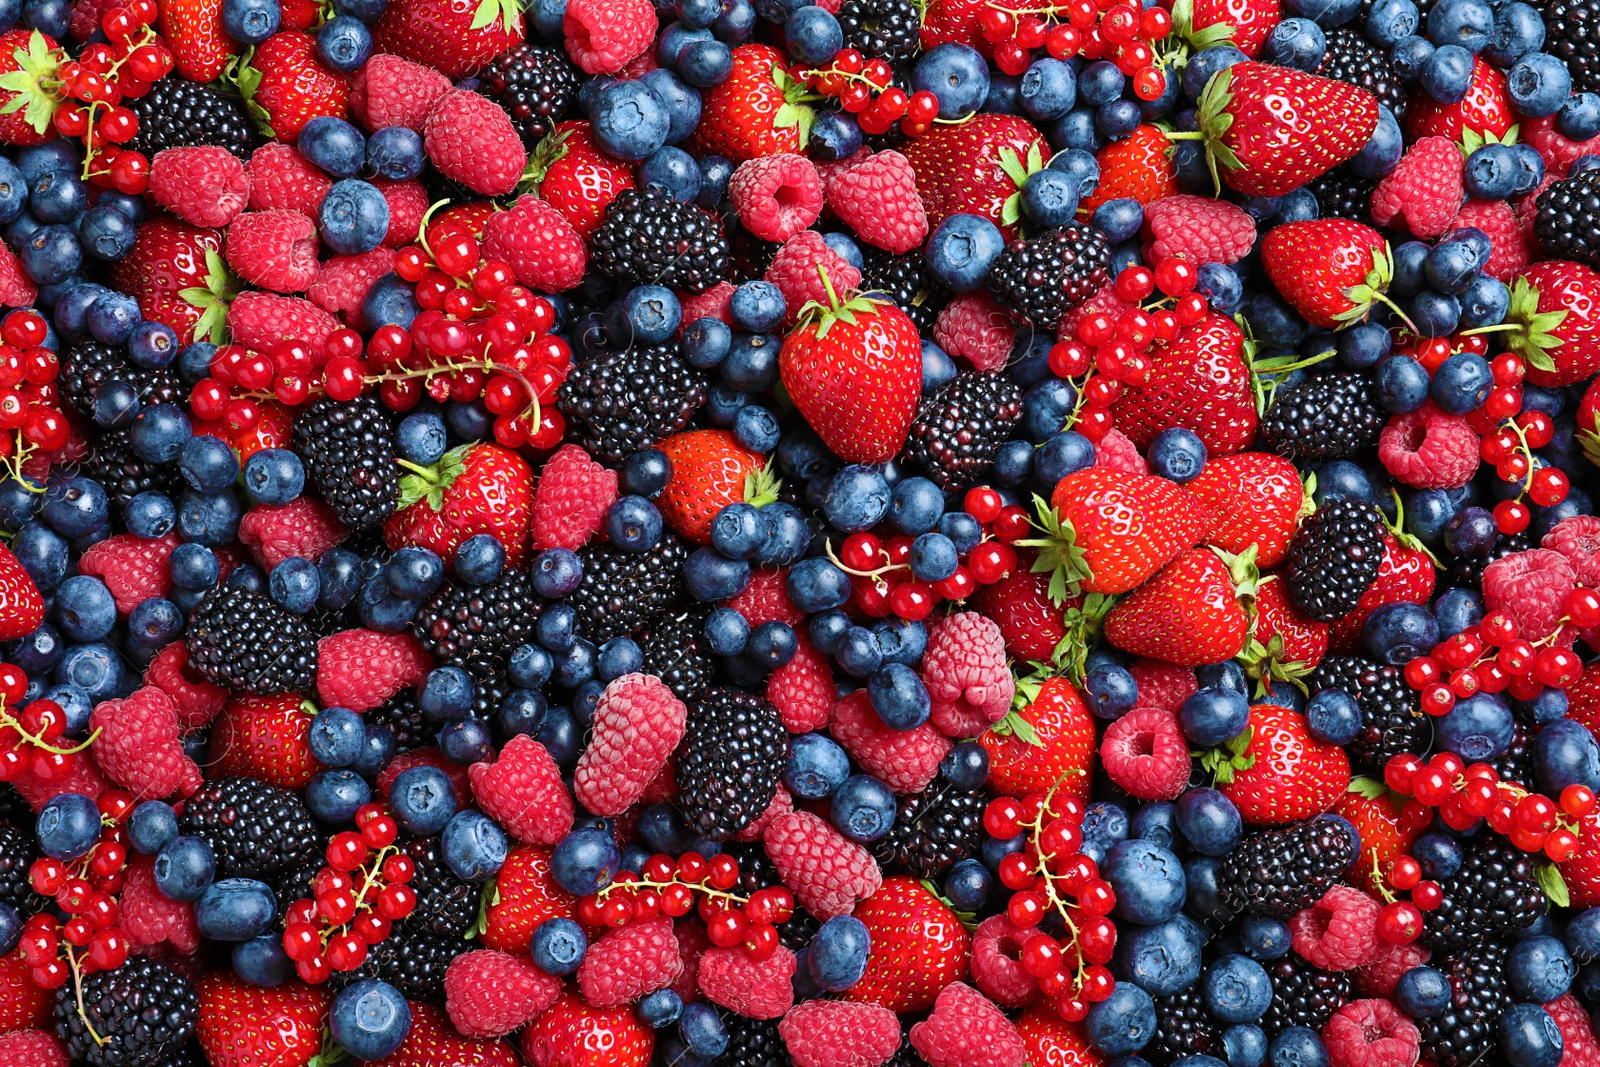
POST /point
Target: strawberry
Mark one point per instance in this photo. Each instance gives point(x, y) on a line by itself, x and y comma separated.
point(1199, 382)
point(245, 1026)
point(432, 1042)
point(472, 489)
point(1046, 740)
point(570, 172)
point(1276, 772)
point(455, 37)
point(1253, 498)
point(177, 274)
point(1406, 574)
point(285, 85)
point(1138, 166)
point(1556, 307)
point(1246, 23)
point(918, 947)
point(265, 737)
point(977, 167)
point(572, 1034)
point(1375, 813)
point(22, 1004)
point(1020, 605)
point(522, 897)
point(29, 92)
point(1189, 613)
point(200, 45)
point(21, 606)
point(1284, 644)
point(1329, 270)
point(1272, 129)
point(855, 372)
point(710, 470)
point(1484, 114)
point(1052, 1041)
point(946, 21)
point(760, 110)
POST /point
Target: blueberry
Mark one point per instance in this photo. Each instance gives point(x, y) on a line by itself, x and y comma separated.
point(335, 736)
point(662, 1007)
point(703, 64)
point(1264, 937)
point(1118, 219)
point(1297, 1046)
point(1452, 266)
point(395, 153)
point(262, 962)
point(1529, 1037)
point(446, 694)
point(1579, 117)
point(772, 644)
point(1122, 1023)
point(915, 505)
point(250, 21)
point(1162, 959)
point(1399, 633)
point(1295, 42)
point(584, 861)
point(859, 654)
point(474, 846)
point(1446, 74)
point(1422, 992)
point(1565, 753)
point(1391, 20)
point(1237, 989)
point(1333, 716)
point(863, 808)
point(1530, 168)
point(1479, 728)
point(757, 428)
point(151, 826)
point(159, 432)
point(105, 234)
point(1538, 84)
point(1213, 715)
point(77, 506)
point(817, 766)
point(968, 885)
point(1110, 690)
point(1485, 303)
point(559, 946)
point(963, 247)
point(702, 1030)
point(1148, 880)
point(466, 742)
point(235, 909)
point(184, 867)
point(817, 585)
point(1540, 969)
point(345, 43)
point(710, 576)
point(334, 145)
point(1209, 821)
point(1177, 454)
point(629, 120)
point(369, 1019)
point(838, 956)
point(1435, 314)
point(673, 170)
point(84, 608)
point(899, 697)
point(1491, 172)
point(354, 216)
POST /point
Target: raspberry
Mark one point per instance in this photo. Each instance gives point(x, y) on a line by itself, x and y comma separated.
point(826, 872)
point(138, 746)
point(1198, 229)
point(471, 140)
point(538, 244)
point(425, 757)
point(276, 250)
point(1145, 753)
point(522, 791)
point(282, 180)
point(1428, 449)
point(1578, 538)
point(1338, 932)
point(838, 1033)
point(570, 501)
point(776, 196)
point(1116, 451)
point(262, 320)
point(637, 723)
point(756, 990)
point(966, 674)
point(828, 169)
point(148, 917)
point(304, 527)
point(1371, 1033)
point(604, 35)
point(490, 994)
point(206, 186)
point(132, 568)
point(711, 304)
point(342, 282)
point(31, 1048)
point(692, 944)
point(16, 288)
point(1424, 190)
point(977, 329)
point(629, 962)
point(1104, 299)
point(1163, 685)
point(782, 804)
point(877, 198)
point(766, 599)
point(1577, 1033)
point(195, 700)
point(904, 760)
point(79, 776)
point(1558, 152)
point(360, 669)
point(390, 91)
point(997, 962)
point(1379, 976)
point(1508, 256)
point(967, 1030)
point(794, 270)
point(802, 690)
point(408, 202)
point(1531, 587)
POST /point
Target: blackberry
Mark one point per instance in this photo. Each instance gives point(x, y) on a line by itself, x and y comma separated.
point(1392, 721)
point(733, 753)
point(1343, 194)
point(675, 650)
point(1279, 872)
point(1303, 995)
point(1330, 416)
point(907, 281)
point(139, 1012)
point(535, 83)
point(1334, 558)
point(89, 364)
point(18, 849)
point(1514, 764)
point(245, 642)
point(1355, 60)
point(1464, 1034)
point(179, 113)
point(1184, 1027)
point(123, 475)
point(618, 403)
point(404, 720)
point(1042, 279)
point(649, 238)
point(255, 829)
point(1467, 571)
point(446, 906)
point(933, 829)
point(410, 960)
point(888, 29)
point(348, 449)
point(961, 425)
point(1493, 895)
point(1572, 35)
point(1565, 220)
point(622, 592)
point(297, 883)
point(753, 1043)
point(477, 627)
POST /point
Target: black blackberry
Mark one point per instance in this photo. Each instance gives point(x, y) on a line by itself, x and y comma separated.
point(89, 363)
point(933, 829)
point(348, 449)
point(297, 883)
point(1567, 218)
point(753, 1043)
point(1184, 1027)
point(255, 829)
point(179, 113)
point(961, 425)
point(622, 592)
point(1493, 895)
point(650, 238)
point(123, 475)
point(1355, 60)
point(1572, 35)
point(888, 29)
point(1467, 571)
point(535, 83)
point(13, 809)
point(245, 642)
point(1326, 417)
point(1042, 279)
point(676, 651)
point(1514, 764)
point(446, 906)
point(404, 720)
point(18, 849)
point(1303, 995)
point(907, 281)
point(619, 403)
point(131, 1016)
point(410, 960)
point(1334, 558)
point(475, 627)
point(1392, 720)
point(1343, 194)
point(1279, 872)
point(733, 752)
point(1464, 1034)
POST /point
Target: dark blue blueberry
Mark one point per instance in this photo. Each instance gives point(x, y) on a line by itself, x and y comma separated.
point(345, 43)
point(395, 153)
point(1237, 989)
point(839, 951)
point(1122, 1023)
point(1110, 690)
point(558, 946)
point(711, 576)
point(1295, 42)
point(208, 464)
point(466, 742)
point(151, 826)
point(1177, 454)
point(1399, 633)
point(862, 809)
point(618, 656)
point(584, 861)
point(963, 247)
point(1538, 84)
point(1479, 728)
point(474, 846)
point(84, 609)
point(706, 343)
point(1214, 715)
point(817, 766)
point(423, 800)
point(1264, 937)
point(1333, 716)
point(154, 622)
point(1148, 880)
point(335, 737)
point(817, 585)
point(369, 1019)
point(957, 75)
point(250, 21)
point(899, 697)
point(1564, 753)
point(354, 216)
point(1579, 117)
point(1422, 992)
point(446, 694)
point(333, 145)
point(184, 867)
point(1529, 1037)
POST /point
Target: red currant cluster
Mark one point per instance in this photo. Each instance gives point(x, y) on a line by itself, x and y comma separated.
point(863, 88)
point(1531, 821)
point(30, 399)
point(30, 738)
point(675, 887)
point(1114, 30)
point(359, 895)
point(1493, 657)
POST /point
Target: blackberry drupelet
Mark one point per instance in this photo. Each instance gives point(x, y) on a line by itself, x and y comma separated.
point(753, 1043)
point(907, 281)
point(476, 627)
point(411, 961)
point(1567, 218)
point(961, 425)
point(933, 829)
point(622, 592)
point(618, 403)
point(1514, 764)
point(179, 113)
point(1303, 995)
point(123, 475)
point(297, 883)
point(1279, 872)
point(1334, 558)
point(13, 809)
point(141, 1012)
point(1330, 416)
point(446, 906)
point(675, 650)
point(1392, 720)
point(1042, 279)
point(649, 238)
point(1572, 35)
point(348, 449)
point(18, 849)
point(733, 753)
point(404, 720)
point(255, 829)
point(1355, 60)
point(535, 83)
point(89, 363)
point(1343, 194)
point(1183, 1028)
point(1465, 1033)
point(245, 642)
point(888, 29)
point(1493, 894)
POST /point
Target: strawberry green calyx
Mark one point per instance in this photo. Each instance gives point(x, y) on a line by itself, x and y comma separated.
point(1267, 663)
point(1059, 553)
point(1213, 121)
point(212, 299)
point(546, 154)
point(1172, 54)
point(1372, 289)
point(330, 1053)
point(35, 89)
point(506, 12)
point(239, 72)
point(1548, 875)
point(1472, 140)
point(1589, 441)
point(823, 316)
point(761, 486)
point(1242, 570)
point(1529, 330)
point(1083, 626)
point(432, 482)
point(1019, 171)
point(1229, 759)
point(794, 111)
point(486, 900)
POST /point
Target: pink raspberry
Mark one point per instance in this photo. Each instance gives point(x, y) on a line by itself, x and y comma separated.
point(1508, 256)
point(523, 791)
point(1580, 1048)
point(1532, 588)
point(342, 282)
point(965, 663)
point(637, 724)
point(997, 962)
point(1338, 932)
point(16, 288)
point(282, 180)
point(802, 690)
point(1379, 976)
point(276, 250)
point(1145, 754)
point(781, 804)
point(1198, 229)
point(795, 271)
point(839, 1033)
point(490, 994)
point(470, 139)
point(408, 202)
point(1116, 451)
point(776, 196)
point(81, 776)
point(827, 872)
point(967, 1030)
point(360, 669)
point(1429, 449)
point(32, 1048)
point(304, 527)
point(390, 91)
point(756, 990)
point(538, 244)
point(1371, 1033)
point(1577, 538)
point(1104, 299)
point(570, 501)
point(203, 185)
point(261, 320)
point(149, 917)
point(692, 944)
point(877, 198)
point(1163, 685)
point(766, 599)
point(1424, 191)
point(604, 35)
point(629, 962)
point(1558, 152)
point(132, 568)
point(978, 330)
point(828, 169)
point(196, 700)
point(711, 304)
point(904, 760)
point(138, 746)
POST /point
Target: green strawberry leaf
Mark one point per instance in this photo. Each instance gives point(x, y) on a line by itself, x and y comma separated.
point(1532, 338)
point(1014, 725)
point(330, 1052)
point(430, 483)
point(969, 919)
point(36, 88)
point(1012, 165)
point(761, 486)
point(486, 900)
point(1589, 441)
point(1059, 553)
point(1371, 788)
point(546, 154)
point(507, 12)
point(1011, 210)
point(212, 299)
point(1548, 875)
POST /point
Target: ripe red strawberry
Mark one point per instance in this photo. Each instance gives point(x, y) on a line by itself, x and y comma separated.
point(855, 372)
point(265, 737)
point(1020, 605)
point(473, 489)
point(1189, 613)
point(977, 167)
point(1276, 772)
point(522, 897)
point(1556, 305)
point(1486, 111)
point(1284, 644)
point(1375, 814)
point(286, 85)
point(21, 606)
point(570, 173)
point(945, 21)
point(1138, 166)
point(757, 111)
point(1406, 574)
point(456, 37)
point(245, 1026)
point(1269, 129)
point(1329, 270)
point(572, 1034)
point(200, 45)
point(918, 947)
point(1253, 498)
point(710, 470)
point(28, 61)
point(432, 1041)
point(1052, 1041)
point(22, 1004)
point(1047, 740)
point(1244, 22)
point(1199, 382)
point(177, 274)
